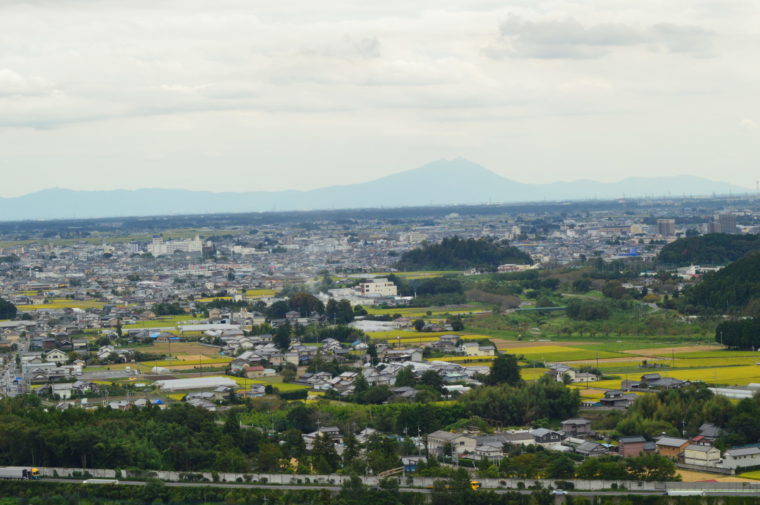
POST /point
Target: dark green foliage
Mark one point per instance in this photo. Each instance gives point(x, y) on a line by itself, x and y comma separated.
point(182, 437)
point(339, 312)
point(168, 309)
point(7, 309)
point(305, 304)
point(341, 333)
point(504, 370)
point(456, 253)
point(281, 338)
point(582, 285)
point(519, 405)
point(744, 333)
point(732, 287)
point(647, 467)
point(712, 249)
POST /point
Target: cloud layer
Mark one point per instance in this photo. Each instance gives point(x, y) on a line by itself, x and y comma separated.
point(253, 95)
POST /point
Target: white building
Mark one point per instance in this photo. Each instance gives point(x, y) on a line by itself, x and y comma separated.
point(378, 287)
point(741, 458)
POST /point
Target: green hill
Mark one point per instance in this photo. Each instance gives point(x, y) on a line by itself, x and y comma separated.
point(711, 249)
point(728, 289)
point(456, 253)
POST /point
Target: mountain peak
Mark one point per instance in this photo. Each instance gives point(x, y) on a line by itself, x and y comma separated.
point(456, 181)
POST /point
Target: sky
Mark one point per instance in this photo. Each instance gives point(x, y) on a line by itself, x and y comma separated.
point(248, 95)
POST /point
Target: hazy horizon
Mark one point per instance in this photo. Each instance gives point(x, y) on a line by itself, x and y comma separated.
point(252, 96)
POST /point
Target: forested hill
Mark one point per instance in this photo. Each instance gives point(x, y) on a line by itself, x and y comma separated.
point(711, 249)
point(456, 253)
point(732, 288)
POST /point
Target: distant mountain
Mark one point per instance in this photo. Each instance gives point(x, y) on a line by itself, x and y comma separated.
point(443, 182)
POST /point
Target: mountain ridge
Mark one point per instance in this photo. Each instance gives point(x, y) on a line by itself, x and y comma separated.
point(441, 182)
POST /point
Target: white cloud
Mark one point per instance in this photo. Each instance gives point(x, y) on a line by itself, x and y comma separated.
point(302, 94)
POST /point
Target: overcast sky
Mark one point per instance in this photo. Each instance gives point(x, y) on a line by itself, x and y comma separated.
point(231, 95)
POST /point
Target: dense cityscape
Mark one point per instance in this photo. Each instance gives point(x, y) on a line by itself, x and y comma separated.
point(562, 346)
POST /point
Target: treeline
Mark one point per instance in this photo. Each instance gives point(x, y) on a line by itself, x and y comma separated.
point(456, 253)
point(522, 404)
point(729, 289)
point(446, 290)
point(168, 309)
point(681, 412)
point(743, 334)
point(711, 249)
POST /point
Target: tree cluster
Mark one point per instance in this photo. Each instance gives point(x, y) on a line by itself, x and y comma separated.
point(711, 249)
point(456, 253)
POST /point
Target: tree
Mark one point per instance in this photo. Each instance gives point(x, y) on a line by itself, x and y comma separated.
point(281, 337)
point(323, 455)
point(432, 379)
point(306, 303)
point(405, 378)
point(418, 324)
point(562, 468)
point(582, 285)
point(504, 370)
point(456, 323)
point(302, 418)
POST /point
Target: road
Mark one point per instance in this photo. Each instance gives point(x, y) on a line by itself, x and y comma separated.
point(587, 494)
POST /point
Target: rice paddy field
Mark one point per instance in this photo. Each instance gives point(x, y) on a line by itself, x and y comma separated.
point(63, 303)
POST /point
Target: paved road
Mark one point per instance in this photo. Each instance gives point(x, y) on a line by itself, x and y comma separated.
point(235, 485)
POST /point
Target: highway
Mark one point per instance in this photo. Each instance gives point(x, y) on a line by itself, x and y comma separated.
point(717, 492)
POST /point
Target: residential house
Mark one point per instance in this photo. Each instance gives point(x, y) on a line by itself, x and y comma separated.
point(702, 455)
point(590, 449)
point(671, 447)
point(474, 349)
point(710, 432)
point(459, 442)
point(543, 436)
point(618, 399)
point(56, 356)
point(577, 427)
point(630, 447)
point(741, 457)
point(519, 438)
